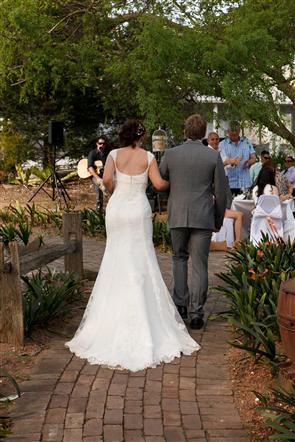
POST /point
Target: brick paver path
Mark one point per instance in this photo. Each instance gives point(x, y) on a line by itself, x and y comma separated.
point(190, 399)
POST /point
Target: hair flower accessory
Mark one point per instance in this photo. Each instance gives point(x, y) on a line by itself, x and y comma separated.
point(140, 130)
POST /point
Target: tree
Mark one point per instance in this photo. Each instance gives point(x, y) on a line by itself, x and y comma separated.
point(251, 52)
point(99, 61)
point(53, 60)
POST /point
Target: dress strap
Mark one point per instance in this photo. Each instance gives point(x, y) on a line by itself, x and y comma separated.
point(150, 156)
point(113, 154)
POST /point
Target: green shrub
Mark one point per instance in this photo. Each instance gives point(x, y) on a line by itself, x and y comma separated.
point(46, 296)
point(279, 411)
point(251, 284)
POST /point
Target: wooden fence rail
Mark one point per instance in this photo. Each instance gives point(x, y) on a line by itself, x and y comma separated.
point(23, 260)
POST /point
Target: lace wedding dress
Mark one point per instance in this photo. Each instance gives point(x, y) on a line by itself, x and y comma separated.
point(130, 321)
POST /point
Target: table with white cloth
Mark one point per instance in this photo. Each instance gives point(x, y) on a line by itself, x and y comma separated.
point(247, 207)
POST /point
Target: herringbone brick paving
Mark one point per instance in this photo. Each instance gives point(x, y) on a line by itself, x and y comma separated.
point(189, 399)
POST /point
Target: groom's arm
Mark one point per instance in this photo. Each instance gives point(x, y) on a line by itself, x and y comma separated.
point(220, 193)
point(164, 171)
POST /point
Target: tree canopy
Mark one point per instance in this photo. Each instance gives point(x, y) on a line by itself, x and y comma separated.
point(100, 60)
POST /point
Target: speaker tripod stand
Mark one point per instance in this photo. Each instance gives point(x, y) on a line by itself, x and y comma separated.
point(58, 190)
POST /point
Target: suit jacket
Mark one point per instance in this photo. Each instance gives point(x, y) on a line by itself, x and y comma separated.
point(197, 197)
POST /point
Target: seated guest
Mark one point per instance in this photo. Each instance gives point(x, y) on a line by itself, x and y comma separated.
point(256, 167)
point(289, 172)
point(265, 183)
point(284, 186)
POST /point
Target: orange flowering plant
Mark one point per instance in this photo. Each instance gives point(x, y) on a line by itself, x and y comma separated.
point(251, 284)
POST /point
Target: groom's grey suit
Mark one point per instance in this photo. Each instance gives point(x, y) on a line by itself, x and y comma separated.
point(196, 206)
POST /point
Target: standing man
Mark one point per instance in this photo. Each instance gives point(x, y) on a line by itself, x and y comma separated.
point(100, 153)
point(289, 171)
point(256, 167)
point(238, 153)
point(196, 206)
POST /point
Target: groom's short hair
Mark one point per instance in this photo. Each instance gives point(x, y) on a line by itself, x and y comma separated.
point(195, 127)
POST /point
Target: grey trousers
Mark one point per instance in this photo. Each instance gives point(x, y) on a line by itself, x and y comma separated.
point(198, 240)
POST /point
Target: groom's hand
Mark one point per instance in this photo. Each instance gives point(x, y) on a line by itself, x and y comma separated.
point(216, 230)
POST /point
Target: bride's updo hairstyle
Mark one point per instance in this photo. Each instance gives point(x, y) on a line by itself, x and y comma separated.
point(130, 132)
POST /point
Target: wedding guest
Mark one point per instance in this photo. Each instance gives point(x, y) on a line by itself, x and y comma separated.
point(289, 172)
point(238, 153)
point(256, 167)
point(99, 153)
point(266, 184)
point(285, 188)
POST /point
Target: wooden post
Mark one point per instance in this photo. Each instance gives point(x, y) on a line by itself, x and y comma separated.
point(72, 230)
point(11, 307)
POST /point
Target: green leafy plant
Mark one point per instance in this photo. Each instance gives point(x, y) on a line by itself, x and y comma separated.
point(53, 217)
point(5, 422)
point(161, 234)
point(93, 222)
point(46, 296)
point(251, 284)
point(22, 177)
point(24, 231)
point(279, 411)
point(5, 375)
point(41, 173)
point(7, 233)
point(19, 213)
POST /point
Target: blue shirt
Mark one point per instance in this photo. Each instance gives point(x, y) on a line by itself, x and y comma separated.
point(237, 176)
point(254, 170)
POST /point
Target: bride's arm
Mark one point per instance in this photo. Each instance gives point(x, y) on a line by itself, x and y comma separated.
point(155, 177)
point(108, 174)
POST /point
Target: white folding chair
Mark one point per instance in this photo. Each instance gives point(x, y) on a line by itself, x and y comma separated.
point(226, 233)
point(267, 219)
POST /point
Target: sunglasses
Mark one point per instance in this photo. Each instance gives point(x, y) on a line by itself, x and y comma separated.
point(101, 144)
point(266, 158)
point(289, 161)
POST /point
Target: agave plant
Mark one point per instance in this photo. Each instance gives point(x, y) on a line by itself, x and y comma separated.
point(41, 174)
point(47, 295)
point(24, 231)
point(7, 233)
point(23, 176)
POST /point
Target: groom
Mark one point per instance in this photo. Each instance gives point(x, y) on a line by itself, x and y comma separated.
point(196, 206)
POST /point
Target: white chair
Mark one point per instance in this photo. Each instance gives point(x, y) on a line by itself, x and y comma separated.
point(267, 219)
point(226, 233)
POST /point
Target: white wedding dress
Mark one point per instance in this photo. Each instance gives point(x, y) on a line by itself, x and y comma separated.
point(130, 321)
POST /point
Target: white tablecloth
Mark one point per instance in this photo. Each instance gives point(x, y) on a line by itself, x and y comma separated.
point(247, 207)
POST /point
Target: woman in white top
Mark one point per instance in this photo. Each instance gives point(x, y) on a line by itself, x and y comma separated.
point(265, 184)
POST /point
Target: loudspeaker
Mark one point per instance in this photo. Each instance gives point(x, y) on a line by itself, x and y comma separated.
point(55, 132)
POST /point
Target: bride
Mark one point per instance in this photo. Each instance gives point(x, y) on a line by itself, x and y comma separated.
point(130, 321)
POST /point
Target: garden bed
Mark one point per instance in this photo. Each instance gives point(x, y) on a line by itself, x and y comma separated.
point(247, 377)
